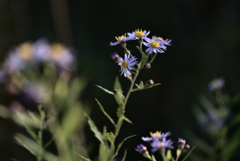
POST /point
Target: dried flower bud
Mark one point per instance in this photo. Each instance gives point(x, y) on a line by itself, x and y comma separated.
point(147, 66)
point(115, 57)
point(149, 83)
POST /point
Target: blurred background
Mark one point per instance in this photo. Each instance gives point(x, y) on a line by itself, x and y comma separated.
point(205, 45)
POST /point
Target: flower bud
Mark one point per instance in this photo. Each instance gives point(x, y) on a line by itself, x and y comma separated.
point(115, 57)
point(115, 91)
point(143, 150)
point(149, 83)
point(147, 66)
point(181, 143)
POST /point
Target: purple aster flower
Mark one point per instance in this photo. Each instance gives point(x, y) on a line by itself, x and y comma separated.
point(216, 84)
point(156, 44)
point(127, 64)
point(138, 34)
point(42, 50)
point(156, 136)
point(161, 145)
point(120, 39)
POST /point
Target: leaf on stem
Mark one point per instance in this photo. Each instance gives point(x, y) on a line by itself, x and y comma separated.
point(120, 111)
point(119, 145)
point(118, 96)
point(105, 113)
point(105, 90)
point(96, 132)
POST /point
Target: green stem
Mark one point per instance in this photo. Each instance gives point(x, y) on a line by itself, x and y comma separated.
point(163, 156)
point(40, 133)
point(154, 56)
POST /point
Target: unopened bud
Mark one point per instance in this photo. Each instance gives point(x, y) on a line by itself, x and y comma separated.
point(147, 66)
point(115, 91)
point(149, 82)
point(115, 57)
point(181, 143)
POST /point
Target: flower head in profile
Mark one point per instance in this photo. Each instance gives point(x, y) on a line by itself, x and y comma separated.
point(156, 136)
point(120, 40)
point(138, 34)
point(156, 44)
point(216, 84)
point(126, 64)
point(141, 149)
point(161, 145)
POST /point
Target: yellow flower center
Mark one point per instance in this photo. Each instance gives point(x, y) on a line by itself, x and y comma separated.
point(119, 38)
point(162, 144)
point(56, 51)
point(25, 51)
point(139, 33)
point(158, 133)
point(124, 64)
point(154, 44)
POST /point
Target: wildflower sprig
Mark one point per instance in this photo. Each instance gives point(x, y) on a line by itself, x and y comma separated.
point(130, 67)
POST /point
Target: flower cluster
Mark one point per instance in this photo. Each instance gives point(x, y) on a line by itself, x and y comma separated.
point(30, 54)
point(159, 142)
point(154, 45)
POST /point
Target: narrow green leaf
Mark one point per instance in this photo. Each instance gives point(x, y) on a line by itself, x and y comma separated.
point(25, 146)
point(124, 156)
point(126, 119)
point(119, 145)
point(105, 90)
point(105, 113)
point(86, 159)
point(120, 111)
point(32, 133)
point(48, 143)
point(96, 132)
point(143, 88)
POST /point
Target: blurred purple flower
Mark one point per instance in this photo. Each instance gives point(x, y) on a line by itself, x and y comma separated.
point(217, 83)
point(161, 145)
point(156, 136)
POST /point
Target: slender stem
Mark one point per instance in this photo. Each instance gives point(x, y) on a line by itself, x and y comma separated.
point(163, 156)
point(154, 56)
point(40, 133)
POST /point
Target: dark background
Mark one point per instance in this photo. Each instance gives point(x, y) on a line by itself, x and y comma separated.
point(205, 45)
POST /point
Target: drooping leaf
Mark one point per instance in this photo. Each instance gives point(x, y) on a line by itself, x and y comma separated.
point(105, 113)
point(96, 132)
point(105, 90)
